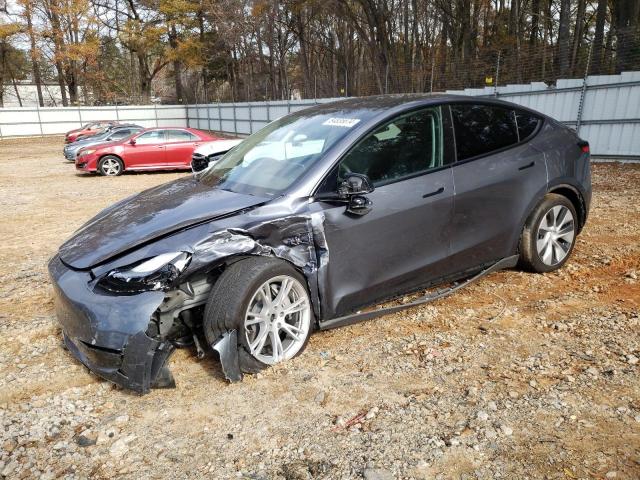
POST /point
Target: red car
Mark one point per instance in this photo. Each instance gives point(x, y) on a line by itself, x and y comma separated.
point(88, 129)
point(165, 148)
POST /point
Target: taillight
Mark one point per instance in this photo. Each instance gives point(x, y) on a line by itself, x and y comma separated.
point(584, 146)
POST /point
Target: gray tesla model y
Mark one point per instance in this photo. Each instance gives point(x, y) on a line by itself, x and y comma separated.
point(312, 221)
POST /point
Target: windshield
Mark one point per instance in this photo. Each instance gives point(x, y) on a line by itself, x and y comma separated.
point(271, 160)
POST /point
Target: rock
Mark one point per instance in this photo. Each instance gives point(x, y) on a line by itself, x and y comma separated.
point(377, 474)
point(612, 474)
point(9, 445)
point(372, 413)
point(121, 446)
point(9, 468)
point(87, 440)
point(632, 360)
point(121, 420)
point(492, 406)
point(506, 430)
point(320, 397)
point(482, 416)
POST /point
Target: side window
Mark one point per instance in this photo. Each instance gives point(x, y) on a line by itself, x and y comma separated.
point(155, 136)
point(120, 134)
point(407, 145)
point(481, 129)
point(180, 136)
point(527, 124)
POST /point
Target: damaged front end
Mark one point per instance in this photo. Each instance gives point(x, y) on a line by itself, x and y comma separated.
point(124, 321)
point(108, 333)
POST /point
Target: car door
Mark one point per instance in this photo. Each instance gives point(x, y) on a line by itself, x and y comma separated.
point(403, 241)
point(498, 178)
point(147, 150)
point(179, 148)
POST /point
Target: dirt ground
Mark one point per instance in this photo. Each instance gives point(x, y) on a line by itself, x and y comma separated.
point(517, 376)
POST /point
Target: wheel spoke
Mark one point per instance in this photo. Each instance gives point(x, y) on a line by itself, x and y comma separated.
point(285, 288)
point(276, 346)
point(562, 217)
point(292, 331)
point(556, 215)
point(265, 292)
point(297, 306)
point(547, 256)
point(258, 344)
point(257, 318)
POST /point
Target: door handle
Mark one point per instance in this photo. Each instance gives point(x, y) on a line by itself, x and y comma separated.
point(159, 146)
point(437, 192)
point(524, 167)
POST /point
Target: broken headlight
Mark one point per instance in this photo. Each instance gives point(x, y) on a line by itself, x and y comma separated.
point(156, 273)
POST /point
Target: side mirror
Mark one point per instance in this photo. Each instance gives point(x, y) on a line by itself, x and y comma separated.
point(354, 188)
point(355, 184)
point(132, 141)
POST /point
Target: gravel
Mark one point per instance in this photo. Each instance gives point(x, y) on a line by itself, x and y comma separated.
point(518, 376)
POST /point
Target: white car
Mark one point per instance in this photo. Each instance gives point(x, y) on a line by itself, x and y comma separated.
point(210, 152)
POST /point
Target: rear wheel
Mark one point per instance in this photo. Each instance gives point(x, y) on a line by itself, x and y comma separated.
point(266, 301)
point(549, 235)
point(110, 166)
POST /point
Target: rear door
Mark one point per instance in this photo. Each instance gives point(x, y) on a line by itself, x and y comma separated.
point(147, 151)
point(180, 146)
point(498, 178)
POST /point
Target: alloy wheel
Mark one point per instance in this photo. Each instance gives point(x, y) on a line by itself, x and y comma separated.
point(277, 320)
point(110, 167)
point(556, 234)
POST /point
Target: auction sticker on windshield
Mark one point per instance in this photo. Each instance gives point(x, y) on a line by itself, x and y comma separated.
point(341, 122)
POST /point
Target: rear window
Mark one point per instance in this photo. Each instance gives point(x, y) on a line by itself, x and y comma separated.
point(527, 124)
point(481, 129)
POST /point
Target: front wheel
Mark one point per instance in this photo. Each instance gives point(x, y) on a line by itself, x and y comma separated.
point(267, 302)
point(549, 234)
point(110, 166)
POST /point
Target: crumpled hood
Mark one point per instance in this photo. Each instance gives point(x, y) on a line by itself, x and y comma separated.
point(153, 213)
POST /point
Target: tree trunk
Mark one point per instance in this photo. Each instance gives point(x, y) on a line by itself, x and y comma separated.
point(577, 35)
point(535, 22)
point(177, 64)
point(598, 39)
point(563, 38)
point(35, 66)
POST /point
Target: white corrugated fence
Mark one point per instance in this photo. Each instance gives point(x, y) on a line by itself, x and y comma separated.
point(605, 109)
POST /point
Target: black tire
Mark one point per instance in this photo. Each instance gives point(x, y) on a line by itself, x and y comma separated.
point(229, 298)
point(530, 259)
point(106, 162)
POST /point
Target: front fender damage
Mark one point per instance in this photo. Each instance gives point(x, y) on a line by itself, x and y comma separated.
point(298, 239)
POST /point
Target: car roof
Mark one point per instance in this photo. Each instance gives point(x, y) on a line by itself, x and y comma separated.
point(410, 100)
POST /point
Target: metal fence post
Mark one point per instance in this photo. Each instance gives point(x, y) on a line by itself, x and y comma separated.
point(39, 119)
point(583, 92)
point(235, 120)
point(80, 115)
point(268, 112)
point(219, 116)
point(495, 87)
point(250, 118)
point(117, 113)
point(155, 114)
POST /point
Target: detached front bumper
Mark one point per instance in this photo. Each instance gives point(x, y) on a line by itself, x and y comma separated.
point(107, 333)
